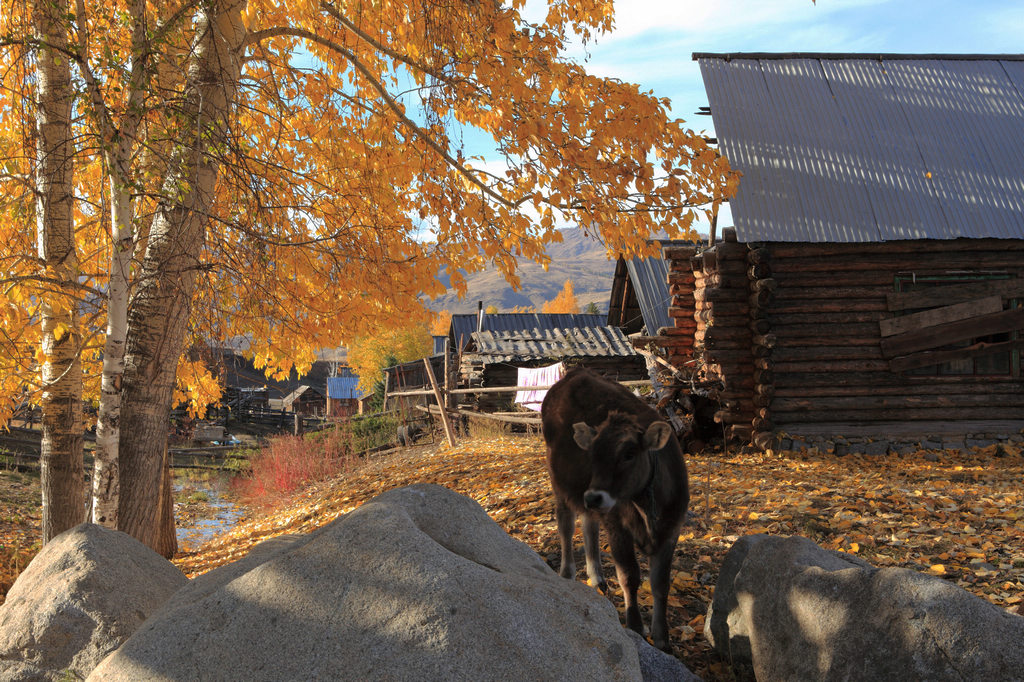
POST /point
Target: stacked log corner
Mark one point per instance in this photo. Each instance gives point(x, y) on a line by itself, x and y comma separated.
point(677, 340)
point(724, 341)
point(762, 295)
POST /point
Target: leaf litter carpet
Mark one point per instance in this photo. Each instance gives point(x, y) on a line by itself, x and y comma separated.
point(954, 515)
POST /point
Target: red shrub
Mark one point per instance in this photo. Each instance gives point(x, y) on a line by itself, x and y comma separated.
point(289, 463)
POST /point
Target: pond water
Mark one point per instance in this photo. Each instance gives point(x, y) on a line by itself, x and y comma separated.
point(202, 513)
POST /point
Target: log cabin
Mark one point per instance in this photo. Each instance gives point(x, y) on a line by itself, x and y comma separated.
point(872, 288)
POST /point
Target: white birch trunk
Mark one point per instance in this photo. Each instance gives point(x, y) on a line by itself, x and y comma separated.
point(106, 479)
point(63, 484)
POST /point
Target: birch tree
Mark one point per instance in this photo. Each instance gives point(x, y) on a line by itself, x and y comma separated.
point(61, 395)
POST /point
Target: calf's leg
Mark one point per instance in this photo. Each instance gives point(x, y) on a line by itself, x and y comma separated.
point(628, 570)
point(661, 569)
point(566, 519)
point(592, 548)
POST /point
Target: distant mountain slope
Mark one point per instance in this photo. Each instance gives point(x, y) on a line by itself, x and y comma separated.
point(577, 257)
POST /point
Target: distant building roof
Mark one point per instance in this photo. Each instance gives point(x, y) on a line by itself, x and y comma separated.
point(464, 325)
point(303, 394)
point(536, 344)
point(344, 388)
point(866, 148)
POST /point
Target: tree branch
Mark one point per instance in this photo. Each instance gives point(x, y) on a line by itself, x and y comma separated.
point(389, 101)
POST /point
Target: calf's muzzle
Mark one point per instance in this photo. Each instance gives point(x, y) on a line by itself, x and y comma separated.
point(598, 500)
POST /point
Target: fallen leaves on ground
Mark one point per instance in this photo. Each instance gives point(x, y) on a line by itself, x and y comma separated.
point(959, 516)
point(20, 525)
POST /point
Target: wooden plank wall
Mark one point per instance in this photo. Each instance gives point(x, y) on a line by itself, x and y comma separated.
point(832, 304)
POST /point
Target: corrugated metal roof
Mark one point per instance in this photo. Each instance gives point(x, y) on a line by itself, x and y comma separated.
point(536, 344)
point(344, 388)
point(864, 148)
point(463, 326)
point(650, 284)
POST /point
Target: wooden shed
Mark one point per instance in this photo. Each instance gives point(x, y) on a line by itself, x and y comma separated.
point(872, 287)
point(493, 358)
point(306, 400)
point(344, 397)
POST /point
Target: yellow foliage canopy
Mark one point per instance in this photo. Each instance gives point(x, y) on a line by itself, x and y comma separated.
point(344, 193)
point(441, 323)
point(369, 355)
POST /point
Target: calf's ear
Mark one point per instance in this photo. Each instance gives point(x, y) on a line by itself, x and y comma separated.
point(583, 434)
point(657, 435)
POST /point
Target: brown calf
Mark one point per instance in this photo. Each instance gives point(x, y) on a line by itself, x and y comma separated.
point(614, 461)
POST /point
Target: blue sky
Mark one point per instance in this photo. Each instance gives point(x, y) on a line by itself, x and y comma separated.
point(653, 40)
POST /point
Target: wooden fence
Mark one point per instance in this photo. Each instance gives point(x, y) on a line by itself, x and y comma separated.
point(439, 394)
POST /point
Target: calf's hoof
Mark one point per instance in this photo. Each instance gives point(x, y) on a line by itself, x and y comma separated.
point(634, 622)
point(664, 645)
point(660, 640)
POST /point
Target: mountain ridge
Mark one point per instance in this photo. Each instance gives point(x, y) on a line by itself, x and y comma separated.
point(578, 257)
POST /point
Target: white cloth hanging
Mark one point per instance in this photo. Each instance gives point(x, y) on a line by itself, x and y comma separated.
point(537, 376)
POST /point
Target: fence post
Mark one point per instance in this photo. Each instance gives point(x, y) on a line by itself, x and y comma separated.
point(448, 432)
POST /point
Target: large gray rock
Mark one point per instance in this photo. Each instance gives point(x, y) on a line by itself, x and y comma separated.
point(658, 666)
point(786, 609)
point(417, 584)
point(211, 581)
point(86, 591)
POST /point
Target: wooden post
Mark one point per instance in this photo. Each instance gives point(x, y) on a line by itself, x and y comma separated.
point(449, 366)
point(448, 432)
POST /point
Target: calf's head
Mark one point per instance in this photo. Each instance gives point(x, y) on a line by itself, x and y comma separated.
point(621, 466)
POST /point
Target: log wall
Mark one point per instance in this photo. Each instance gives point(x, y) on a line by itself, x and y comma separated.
point(723, 338)
point(830, 364)
point(802, 333)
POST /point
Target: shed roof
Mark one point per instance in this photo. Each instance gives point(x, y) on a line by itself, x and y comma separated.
point(463, 325)
point(865, 148)
point(648, 279)
point(344, 388)
point(536, 344)
point(303, 393)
